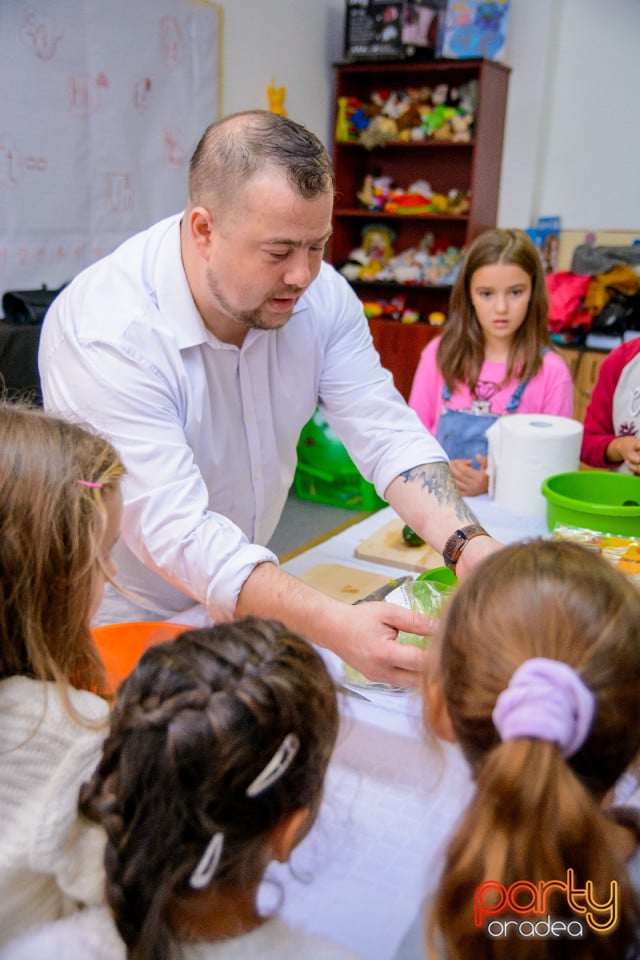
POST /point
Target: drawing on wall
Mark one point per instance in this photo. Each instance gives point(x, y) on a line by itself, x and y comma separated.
point(102, 107)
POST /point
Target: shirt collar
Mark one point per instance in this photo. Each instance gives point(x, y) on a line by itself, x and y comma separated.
point(172, 290)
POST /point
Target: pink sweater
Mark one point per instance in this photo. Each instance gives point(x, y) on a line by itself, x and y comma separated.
point(599, 426)
point(550, 391)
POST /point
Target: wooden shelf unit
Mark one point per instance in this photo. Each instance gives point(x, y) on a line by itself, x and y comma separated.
point(472, 167)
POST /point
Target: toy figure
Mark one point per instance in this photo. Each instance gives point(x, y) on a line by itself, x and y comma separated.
point(276, 97)
point(377, 242)
point(342, 122)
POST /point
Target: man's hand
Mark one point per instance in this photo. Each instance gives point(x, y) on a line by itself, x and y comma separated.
point(369, 643)
point(363, 635)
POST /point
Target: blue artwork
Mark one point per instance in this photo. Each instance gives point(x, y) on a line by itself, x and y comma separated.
point(476, 29)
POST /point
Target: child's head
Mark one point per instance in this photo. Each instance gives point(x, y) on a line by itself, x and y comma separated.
point(219, 739)
point(465, 326)
point(545, 753)
point(60, 508)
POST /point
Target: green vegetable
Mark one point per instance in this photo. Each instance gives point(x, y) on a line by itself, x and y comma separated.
point(425, 597)
point(410, 537)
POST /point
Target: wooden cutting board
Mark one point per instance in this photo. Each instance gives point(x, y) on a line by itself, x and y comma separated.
point(387, 546)
point(344, 583)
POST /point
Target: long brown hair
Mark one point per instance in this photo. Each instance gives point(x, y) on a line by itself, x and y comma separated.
point(536, 814)
point(192, 726)
point(51, 531)
point(461, 347)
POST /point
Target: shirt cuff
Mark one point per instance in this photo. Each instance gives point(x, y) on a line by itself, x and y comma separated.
point(222, 594)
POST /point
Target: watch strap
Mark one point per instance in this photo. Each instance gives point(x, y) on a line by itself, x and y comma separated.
point(458, 541)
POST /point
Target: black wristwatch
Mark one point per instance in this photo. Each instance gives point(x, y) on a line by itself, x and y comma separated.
point(458, 541)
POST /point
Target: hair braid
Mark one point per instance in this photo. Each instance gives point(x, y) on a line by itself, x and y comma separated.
point(193, 725)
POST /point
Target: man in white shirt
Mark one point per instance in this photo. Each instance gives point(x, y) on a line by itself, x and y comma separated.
point(201, 347)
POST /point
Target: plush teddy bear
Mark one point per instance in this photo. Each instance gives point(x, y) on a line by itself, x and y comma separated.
point(381, 130)
point(461, 124)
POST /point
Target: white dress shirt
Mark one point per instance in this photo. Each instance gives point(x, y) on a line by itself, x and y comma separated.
point(208, 431)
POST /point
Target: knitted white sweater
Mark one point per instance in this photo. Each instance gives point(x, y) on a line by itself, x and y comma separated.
point(92, 934)
point(50, 856)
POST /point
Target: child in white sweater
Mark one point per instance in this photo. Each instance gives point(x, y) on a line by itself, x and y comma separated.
point(60, 508)
point(213, 767)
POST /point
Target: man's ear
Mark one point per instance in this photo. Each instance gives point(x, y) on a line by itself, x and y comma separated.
point(288, 833)
point(436, 713)
point(200, 228)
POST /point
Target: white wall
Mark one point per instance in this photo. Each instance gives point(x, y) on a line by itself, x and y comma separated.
point(572, 139)
point(593, 144)
point(291, 42)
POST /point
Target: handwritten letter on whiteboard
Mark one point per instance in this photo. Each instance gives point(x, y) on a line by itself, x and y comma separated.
point(101, 107)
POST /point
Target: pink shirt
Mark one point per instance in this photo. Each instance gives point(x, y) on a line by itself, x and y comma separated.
point(550, 391)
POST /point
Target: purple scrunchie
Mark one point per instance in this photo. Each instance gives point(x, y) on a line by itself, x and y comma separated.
point(546, 700)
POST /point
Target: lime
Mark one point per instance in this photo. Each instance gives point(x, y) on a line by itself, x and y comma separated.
point(410, 537)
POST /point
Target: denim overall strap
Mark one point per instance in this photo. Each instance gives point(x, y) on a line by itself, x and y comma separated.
point(514, 400)
point(463, 434)
point(516, 396)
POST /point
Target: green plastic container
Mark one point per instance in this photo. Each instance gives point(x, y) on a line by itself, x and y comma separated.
point(440, 575)
point(325, 472)
point(600, 500)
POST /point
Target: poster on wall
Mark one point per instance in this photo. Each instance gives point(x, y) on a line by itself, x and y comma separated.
point(102, 107)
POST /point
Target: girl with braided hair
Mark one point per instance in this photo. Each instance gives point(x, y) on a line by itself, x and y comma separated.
point(213, 767)
point(536, 674)
point(60, 508)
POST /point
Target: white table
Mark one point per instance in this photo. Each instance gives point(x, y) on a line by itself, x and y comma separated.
point(393, 792)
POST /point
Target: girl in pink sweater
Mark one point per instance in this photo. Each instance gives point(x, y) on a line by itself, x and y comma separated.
point(494, 355)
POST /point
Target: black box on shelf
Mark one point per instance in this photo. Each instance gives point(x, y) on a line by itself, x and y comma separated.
point(383, 30)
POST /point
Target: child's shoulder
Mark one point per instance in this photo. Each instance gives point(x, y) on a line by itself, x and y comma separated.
point(273, 940)
point(431, 348)
point(87, 933)
point(621, 356)
point(553, 362)
point(25, 703)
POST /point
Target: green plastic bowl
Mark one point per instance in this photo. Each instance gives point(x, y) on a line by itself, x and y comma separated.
point(599, 500)
point(440, 575)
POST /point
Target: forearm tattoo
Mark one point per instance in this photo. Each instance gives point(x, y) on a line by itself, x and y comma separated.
point(437, 479)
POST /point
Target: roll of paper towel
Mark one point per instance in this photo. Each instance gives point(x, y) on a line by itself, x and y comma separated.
point(525, 449)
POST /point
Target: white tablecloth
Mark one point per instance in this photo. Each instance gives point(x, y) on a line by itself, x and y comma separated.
point(393, 792)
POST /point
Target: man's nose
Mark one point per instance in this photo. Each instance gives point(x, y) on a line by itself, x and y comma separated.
point(298, 272)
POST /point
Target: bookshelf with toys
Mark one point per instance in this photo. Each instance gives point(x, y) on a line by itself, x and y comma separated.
point(417, 153)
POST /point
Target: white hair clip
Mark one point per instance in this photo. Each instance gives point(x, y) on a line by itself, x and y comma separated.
point(208, 863)
point(277, 766)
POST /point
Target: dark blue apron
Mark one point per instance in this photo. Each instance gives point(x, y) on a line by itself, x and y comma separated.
point(463, 433)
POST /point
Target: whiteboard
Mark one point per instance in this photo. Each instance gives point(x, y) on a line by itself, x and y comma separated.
point(101, 107)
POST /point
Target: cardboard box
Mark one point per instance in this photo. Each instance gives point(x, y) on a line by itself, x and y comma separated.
point(474, 28)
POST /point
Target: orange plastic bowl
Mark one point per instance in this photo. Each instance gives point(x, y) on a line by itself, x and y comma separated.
point(122, 644)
